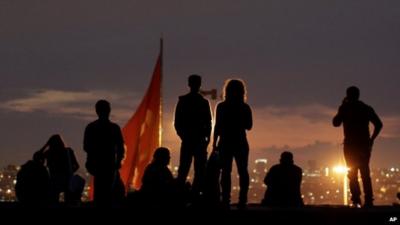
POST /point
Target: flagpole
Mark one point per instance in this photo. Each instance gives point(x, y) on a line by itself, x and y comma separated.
point(161, 91)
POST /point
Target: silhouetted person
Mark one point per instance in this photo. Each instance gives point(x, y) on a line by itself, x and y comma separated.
point(104, 145)
point(158, 182)
point(33, 182)
point(233, 118)
point(355, 117)
point(62, 164)
point(193, 126)
point(283, 183)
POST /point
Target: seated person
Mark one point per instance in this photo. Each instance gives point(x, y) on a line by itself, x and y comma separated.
point(283, 184)
point(33, 182)
point(157, 182)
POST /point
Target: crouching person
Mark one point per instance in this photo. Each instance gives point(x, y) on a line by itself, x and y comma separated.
point(283, 184)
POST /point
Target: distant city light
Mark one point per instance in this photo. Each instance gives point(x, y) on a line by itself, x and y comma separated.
point(327, 172)
point(261, 161)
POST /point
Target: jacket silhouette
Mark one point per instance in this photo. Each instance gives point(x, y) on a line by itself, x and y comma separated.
point(104, 145)
point(358, 142)
point(157, 182)
point(193, 125)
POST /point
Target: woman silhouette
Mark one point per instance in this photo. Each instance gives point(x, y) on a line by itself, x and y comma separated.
point(62, 164)
point(233, 118)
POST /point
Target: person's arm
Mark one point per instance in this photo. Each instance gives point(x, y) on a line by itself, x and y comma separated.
point(248, 123)
point(300, 176)
point(45, 147)
point(217, 128)
point(378, 125)
point(74, 162)
point(338, 119)
point(268, 177)
point(178, 119)
point(120, 147)
point(208, 121)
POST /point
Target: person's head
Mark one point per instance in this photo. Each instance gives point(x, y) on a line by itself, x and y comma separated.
point(286, 158)
point(235, 90)
point(161, 156)
point(353, 93)
point(56, 142)
point(38, 157)
point(194, 82)
point(103, 109)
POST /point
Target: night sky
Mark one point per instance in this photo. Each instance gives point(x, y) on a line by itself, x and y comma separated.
point(297, 57)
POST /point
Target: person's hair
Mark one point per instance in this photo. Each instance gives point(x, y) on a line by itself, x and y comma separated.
point(161, 156)
point(194, 81)
point(353, 93)
point(286, 158)
point(235, 90)
point(56, 142)
point(103, 108)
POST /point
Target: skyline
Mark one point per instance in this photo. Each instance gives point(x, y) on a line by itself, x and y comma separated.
point(297, 58)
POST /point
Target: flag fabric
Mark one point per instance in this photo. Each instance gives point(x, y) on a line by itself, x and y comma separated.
point(142, 133)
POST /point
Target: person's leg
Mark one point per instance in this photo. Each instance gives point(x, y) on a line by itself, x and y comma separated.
point(103, 189)
point(241, 158)
point(352, 174)
point(366, 179)
point(185, 160)
point(200, 160)
point(227, 158)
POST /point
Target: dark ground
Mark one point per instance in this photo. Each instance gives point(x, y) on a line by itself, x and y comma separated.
point(254, 214)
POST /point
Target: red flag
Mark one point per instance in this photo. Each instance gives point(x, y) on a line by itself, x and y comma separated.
point(142, 133)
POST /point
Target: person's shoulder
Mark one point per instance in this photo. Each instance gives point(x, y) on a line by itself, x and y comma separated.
point(185, 97)
point(275, 167)
point(92, 124)
point(297, 168)
point(363, 104)
point(26, 165)
point(151, 168)
point(366, 107)
point(182, 97)
point(204, 100)
point(247, 106)
point(115, 126)
point(221, 104)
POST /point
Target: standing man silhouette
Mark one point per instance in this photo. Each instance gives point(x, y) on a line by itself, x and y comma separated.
point(104, 145)
point(193, 126)
point(355, 117)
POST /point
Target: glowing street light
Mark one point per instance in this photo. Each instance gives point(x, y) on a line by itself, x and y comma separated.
point(342, 170)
